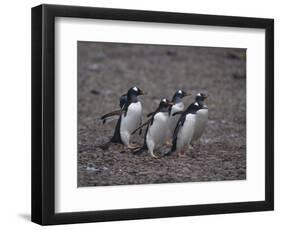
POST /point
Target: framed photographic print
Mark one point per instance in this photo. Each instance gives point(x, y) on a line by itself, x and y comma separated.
point(141, 114)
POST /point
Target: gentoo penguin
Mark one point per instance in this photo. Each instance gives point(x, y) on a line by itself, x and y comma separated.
point(201, 117)
point(184, 130)
point(177, 106)
point(129, 116)
point(157, 128)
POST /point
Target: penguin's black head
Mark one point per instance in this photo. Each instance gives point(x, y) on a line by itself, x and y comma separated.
point(195, 107)
point(200, 97)
point(179, 95)
point(133, 94)
point(165, 105)
point(134, 91)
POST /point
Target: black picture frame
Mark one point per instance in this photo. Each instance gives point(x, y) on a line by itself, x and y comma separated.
point(43, 114)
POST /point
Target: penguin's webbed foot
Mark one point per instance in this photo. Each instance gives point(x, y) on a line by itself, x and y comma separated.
point(132, 146)
point(169, 143)
point(155, 156)
point(181, 154)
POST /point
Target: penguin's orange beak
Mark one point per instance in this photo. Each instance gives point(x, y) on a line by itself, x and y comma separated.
point(186, 94)
point(141, 92)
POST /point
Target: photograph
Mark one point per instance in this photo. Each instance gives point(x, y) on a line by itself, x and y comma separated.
point(150, 114)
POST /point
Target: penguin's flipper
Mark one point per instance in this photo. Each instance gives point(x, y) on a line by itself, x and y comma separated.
point(175, 135)
point(150, 114)
point(113, 113)
point(140, 132)
point(144, 124)
point(177, 113)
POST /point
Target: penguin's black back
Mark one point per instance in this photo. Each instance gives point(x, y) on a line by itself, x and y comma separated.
point(193, 108)
point(124, 104)
point(116, 136)
point(175, 135)
point(123, 100)
point(144, 147)
point(145, 134)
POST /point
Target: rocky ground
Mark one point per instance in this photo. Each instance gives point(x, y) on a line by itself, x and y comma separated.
point(106, 70)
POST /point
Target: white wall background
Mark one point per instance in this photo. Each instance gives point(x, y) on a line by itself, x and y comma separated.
point(15, 113)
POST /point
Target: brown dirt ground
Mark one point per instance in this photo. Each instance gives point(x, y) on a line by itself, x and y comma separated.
point(107, 70)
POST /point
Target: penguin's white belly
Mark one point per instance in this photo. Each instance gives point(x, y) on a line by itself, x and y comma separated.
point(173, 120)
point(130, 122)
point(201, 122)
point(186, 132)
point(157, 132)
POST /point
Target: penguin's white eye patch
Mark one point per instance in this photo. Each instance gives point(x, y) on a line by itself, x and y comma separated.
point(196, 104)
point(180, 92)
point(135, 88)
point(164, 100)
point(199, 94)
